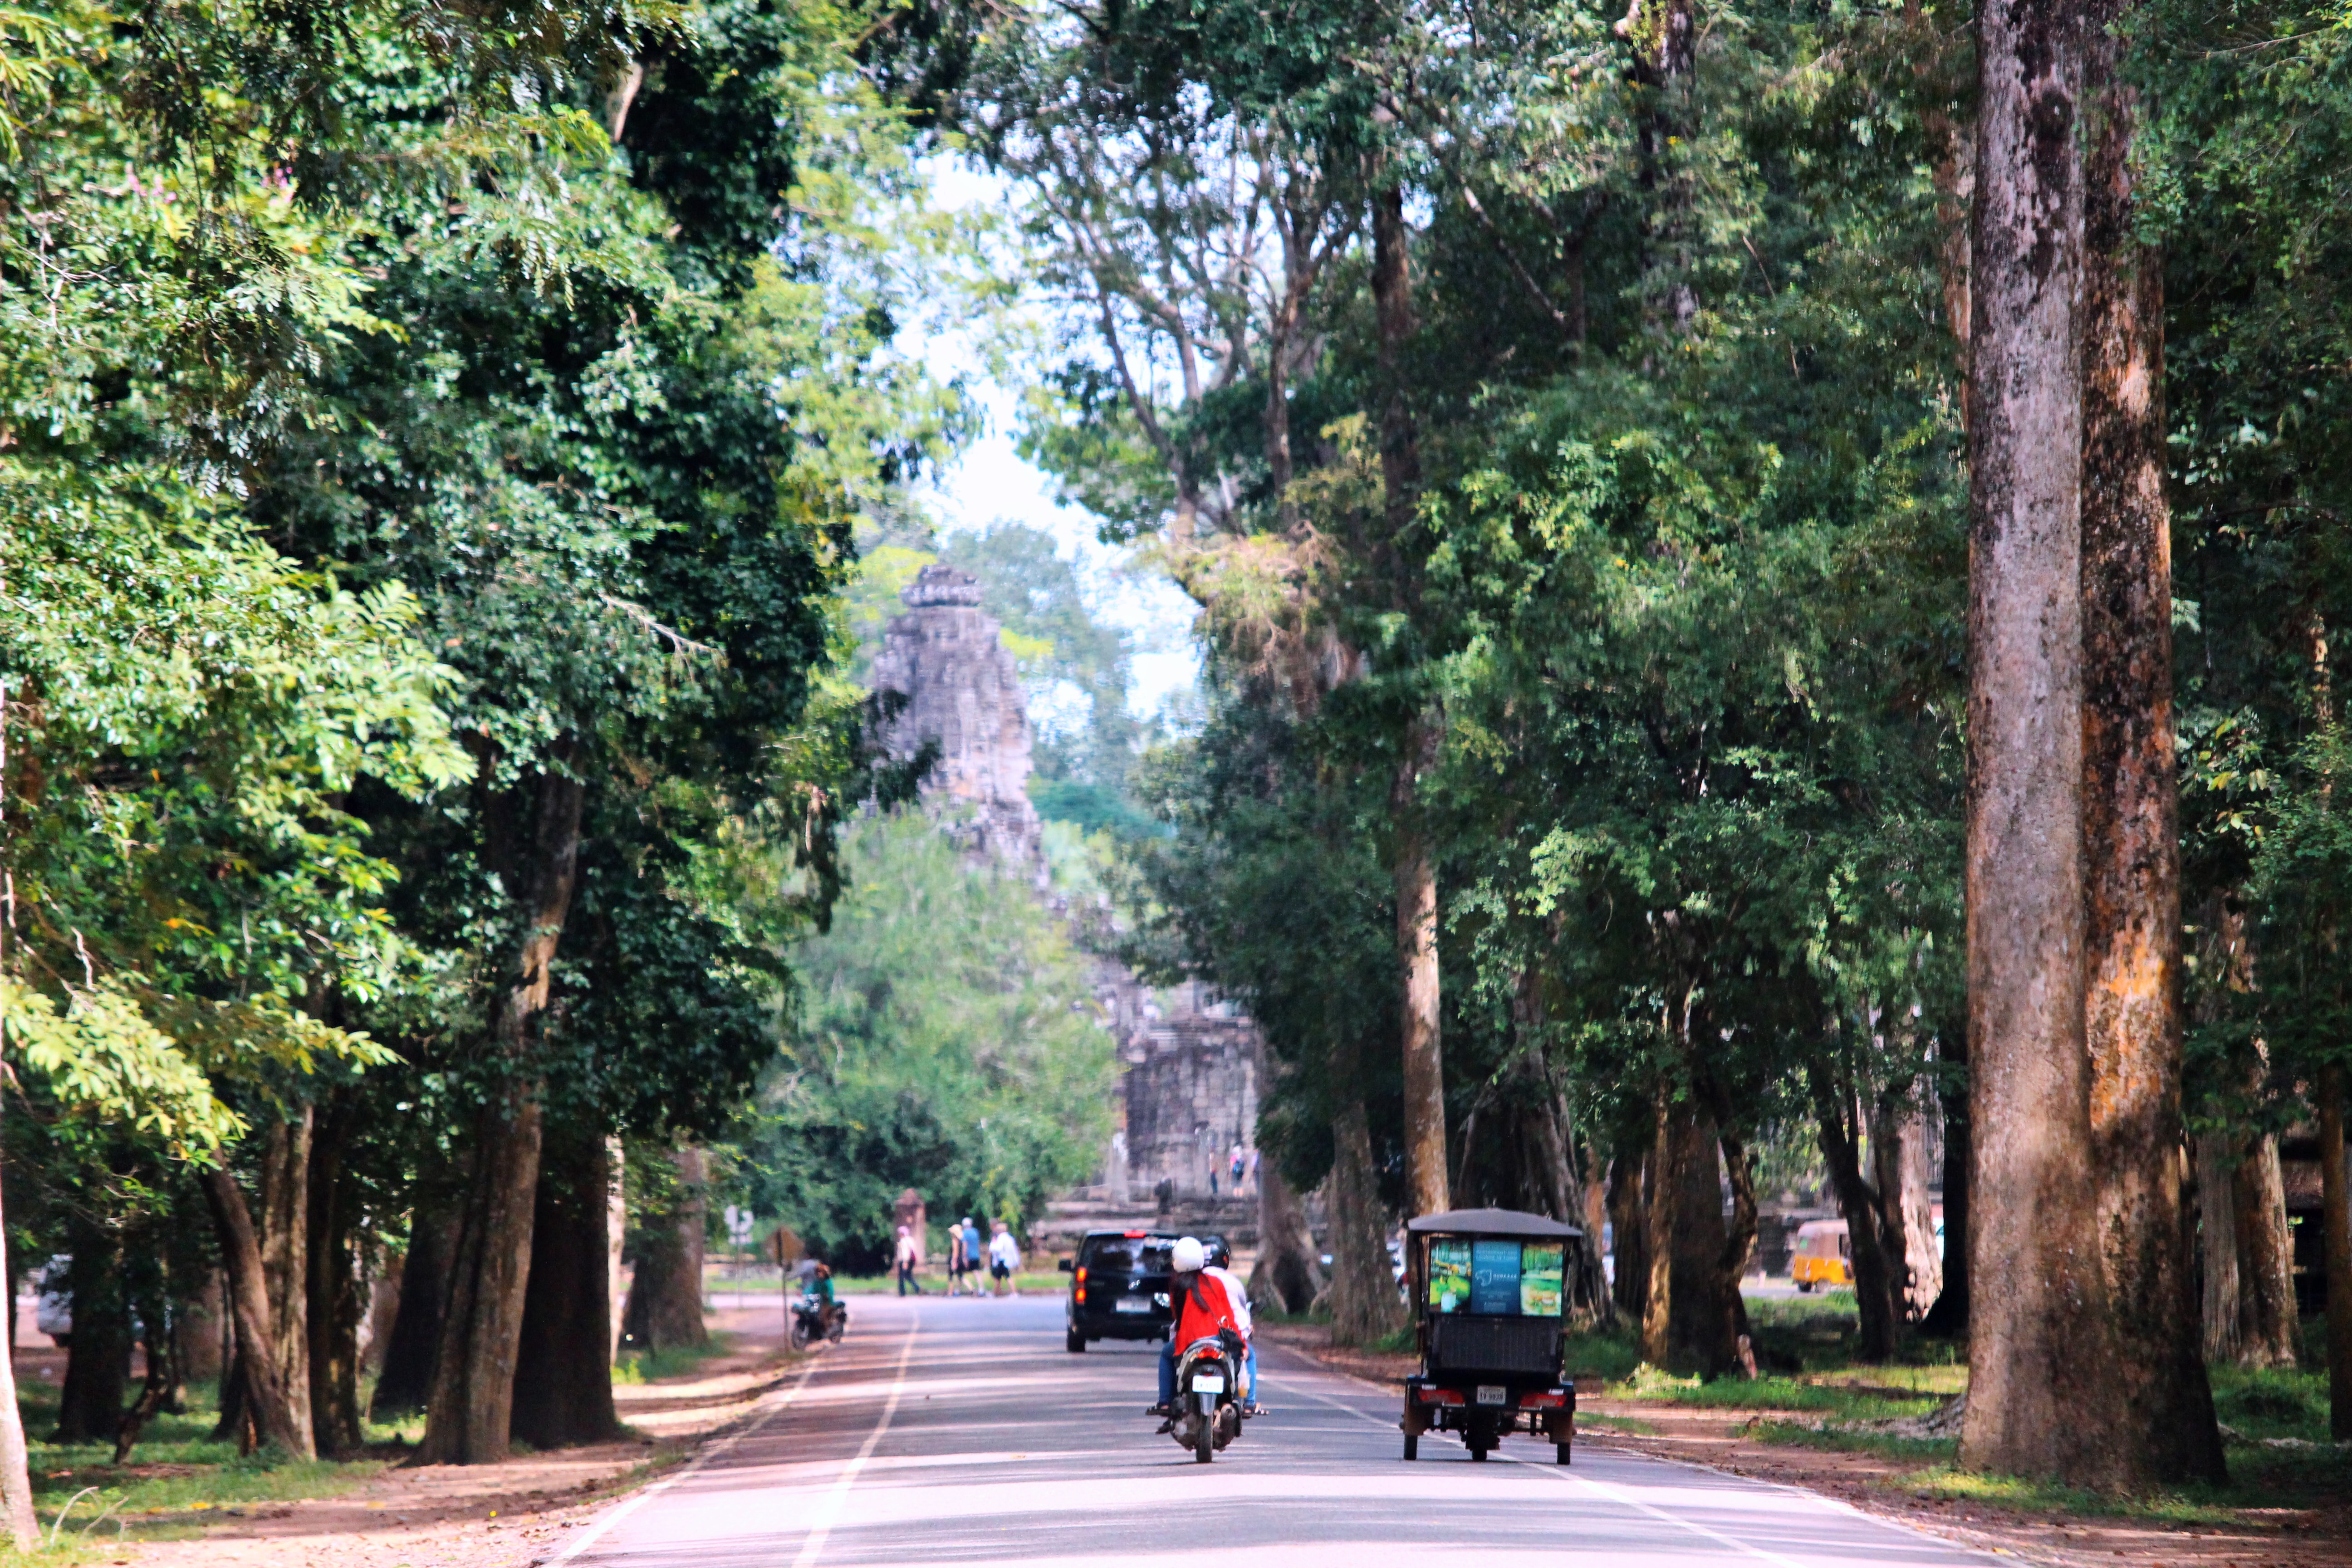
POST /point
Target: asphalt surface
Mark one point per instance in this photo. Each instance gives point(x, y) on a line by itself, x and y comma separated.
point(961, 1431)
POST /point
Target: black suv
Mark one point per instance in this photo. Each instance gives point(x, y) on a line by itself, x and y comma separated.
point(1119, 1285)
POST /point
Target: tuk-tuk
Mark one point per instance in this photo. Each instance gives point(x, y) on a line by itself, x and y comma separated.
point(1485, 1289)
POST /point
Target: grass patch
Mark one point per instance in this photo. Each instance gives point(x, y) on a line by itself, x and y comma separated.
point(1611, 1355)
point(676, 1360)
point(1836, 1400)
point(2271, 1403)
point(179, 1474)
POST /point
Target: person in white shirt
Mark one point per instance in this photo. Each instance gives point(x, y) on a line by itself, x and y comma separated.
point(906, 1258)
point(1220, 1265)
point(1003, 1257)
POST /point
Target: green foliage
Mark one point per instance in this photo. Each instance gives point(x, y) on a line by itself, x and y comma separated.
point(944, 1040)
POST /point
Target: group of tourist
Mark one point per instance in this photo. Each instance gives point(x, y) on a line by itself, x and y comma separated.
point(967, 1258)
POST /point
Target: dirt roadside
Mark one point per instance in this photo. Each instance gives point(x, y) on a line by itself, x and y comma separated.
point(493, 1516)
point(1726, 1440)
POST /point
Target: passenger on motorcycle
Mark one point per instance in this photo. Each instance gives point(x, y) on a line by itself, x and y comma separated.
point(1204, 1306)
point(1221, 1267)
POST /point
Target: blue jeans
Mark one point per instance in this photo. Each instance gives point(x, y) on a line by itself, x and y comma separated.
point(1168, 1373)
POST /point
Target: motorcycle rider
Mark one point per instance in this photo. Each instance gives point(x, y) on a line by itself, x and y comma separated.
point(1220, 1265)
point(1203, 1307)
point(819, 1288)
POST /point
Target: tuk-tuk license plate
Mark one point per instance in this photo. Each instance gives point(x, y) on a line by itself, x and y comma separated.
point(1489, 1394)
point(1132, 1304)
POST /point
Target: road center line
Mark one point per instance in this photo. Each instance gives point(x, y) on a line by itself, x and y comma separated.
point(828, 1508)
point(1610, 1493)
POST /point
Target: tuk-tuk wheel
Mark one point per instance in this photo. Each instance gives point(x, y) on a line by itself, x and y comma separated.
point(1479, 1455)
point(1563, 1453)
point(1412, 1446)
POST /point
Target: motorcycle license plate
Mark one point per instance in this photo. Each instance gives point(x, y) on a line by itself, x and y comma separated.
point(1489, 1394)
point(1132, 1304)
point(1208, 1385)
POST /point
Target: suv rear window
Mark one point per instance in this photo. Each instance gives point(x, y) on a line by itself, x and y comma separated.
point(1128, 1254)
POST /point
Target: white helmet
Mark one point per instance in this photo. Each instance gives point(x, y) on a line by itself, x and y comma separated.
point(1188, 1255)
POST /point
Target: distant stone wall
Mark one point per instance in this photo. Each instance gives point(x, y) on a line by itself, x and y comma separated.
point(1188, 1087)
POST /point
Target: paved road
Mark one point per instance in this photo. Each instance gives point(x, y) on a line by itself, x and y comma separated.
point(962, 1432)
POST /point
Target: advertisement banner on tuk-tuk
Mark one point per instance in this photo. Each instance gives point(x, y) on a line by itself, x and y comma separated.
point(1541, 1267)
point(1494, 1278)
point(1449, 1274)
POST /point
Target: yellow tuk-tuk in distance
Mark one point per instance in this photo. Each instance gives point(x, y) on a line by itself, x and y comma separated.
point(1824, 1255)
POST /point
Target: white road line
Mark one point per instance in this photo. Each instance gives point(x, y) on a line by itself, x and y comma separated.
point(596, 1531)
point(828, 1508)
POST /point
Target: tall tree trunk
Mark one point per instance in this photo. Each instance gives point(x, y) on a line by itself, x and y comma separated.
point(1424, 1067)
point(664, 1309)
point(258, 1380)
point(1664, 35)
point(1629, 1228)
point(616, 1238)
point(97, 1362)
point(1949, 1316)
point(1898, 1161)
point(1662, 1187)
point(1414, 867)
point(15, 1469)
point(1287, 1272)
point(2217, 1237)
point(2265, 1259)
point(2044, 1389)
point(405, 1380)
point(1595, 1220)
point(563, 1376)
point(1362, 1292)
point(2131, 843)
point(1701, 1335)
point(468, 1412)
point(336, 1301)
point(1875, 1294)
point(1735, 1343)
point(285, 1221)
point(2335, 1250)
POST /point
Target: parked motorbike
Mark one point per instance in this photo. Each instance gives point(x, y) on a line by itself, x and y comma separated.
point(1208, 1396)
point(812, 1321)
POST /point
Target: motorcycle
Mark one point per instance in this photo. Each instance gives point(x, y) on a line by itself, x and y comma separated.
point(1208, 1396)
point(811, 1321)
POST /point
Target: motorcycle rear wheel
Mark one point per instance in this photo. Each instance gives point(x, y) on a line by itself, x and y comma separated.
point(1204, 1439)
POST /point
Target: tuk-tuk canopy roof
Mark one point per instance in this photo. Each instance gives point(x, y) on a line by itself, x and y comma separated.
point(1491, 1222)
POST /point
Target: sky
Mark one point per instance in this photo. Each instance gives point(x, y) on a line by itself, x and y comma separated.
point(991, 483)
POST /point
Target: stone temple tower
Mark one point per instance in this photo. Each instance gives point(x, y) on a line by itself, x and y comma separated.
point(1188, 1079)
point(963, 691)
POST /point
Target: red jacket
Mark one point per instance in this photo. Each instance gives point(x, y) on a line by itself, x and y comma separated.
point(1204, 1310)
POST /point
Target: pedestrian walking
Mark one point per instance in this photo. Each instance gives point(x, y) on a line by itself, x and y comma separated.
point(975, 1256)
point(958, 1260)
point(1003, 1259)
point(1237, 1161)
point(907, 1258)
